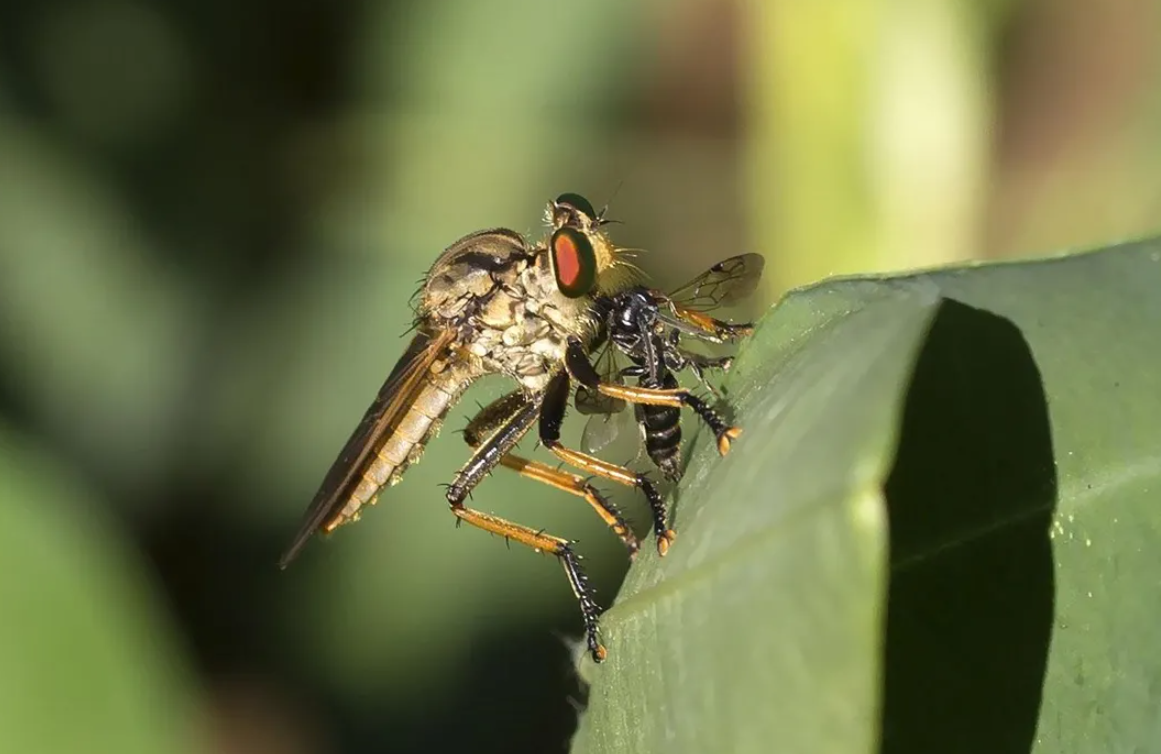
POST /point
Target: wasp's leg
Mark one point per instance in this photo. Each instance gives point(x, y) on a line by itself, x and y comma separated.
point(582, 369)
point(483, 460)
point(552, 416)
point(724, 433)
point(714, 327)
point(700, 365)
point(494, 415)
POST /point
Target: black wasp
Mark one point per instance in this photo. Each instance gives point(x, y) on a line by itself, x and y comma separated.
point(645, 326)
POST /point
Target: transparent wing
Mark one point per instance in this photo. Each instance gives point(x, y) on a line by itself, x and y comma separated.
point(591, 402)
point(602, 430)
point(726, 283)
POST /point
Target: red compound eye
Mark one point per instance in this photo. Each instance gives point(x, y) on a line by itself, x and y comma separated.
point(574, 263)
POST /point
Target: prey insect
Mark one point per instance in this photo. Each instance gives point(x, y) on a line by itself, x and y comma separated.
point(496, 303)
point(646, 326)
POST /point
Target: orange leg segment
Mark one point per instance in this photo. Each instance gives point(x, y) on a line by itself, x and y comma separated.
point(493, 414)
point(505, 422)
point(593, 465)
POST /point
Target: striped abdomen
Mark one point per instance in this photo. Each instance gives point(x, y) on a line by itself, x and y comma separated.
point(404, 446)
point(662, 429)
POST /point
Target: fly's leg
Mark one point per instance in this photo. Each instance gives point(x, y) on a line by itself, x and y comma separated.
point(722, 431)
point(563, 551)
point(579, 366)
point(582, 369)
point(552, 416)
point(483, 460)
point(494, 415)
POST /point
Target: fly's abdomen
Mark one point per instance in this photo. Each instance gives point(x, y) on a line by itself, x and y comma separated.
point(405, 444)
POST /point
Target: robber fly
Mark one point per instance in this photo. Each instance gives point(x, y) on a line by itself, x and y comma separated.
point(495, 303)
point(646, 326)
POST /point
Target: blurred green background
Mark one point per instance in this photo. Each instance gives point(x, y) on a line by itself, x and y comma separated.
point(211, 217)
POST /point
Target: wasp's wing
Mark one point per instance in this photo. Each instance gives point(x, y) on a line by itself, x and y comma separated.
point(391, 404)
point(592, 402)
point(602, 430)
point(727, 282)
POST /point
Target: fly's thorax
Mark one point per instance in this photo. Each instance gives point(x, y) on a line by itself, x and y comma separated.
point(522, 327)
point(469, 272)
point(501, 295)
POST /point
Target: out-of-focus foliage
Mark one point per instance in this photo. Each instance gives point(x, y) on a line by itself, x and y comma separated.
point(877, 159)
point(88, 662)
point(212, 214)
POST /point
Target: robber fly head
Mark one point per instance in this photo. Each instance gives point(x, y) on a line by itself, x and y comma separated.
point(584, 260)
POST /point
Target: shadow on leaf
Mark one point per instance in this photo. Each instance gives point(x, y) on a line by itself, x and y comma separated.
point(970, 501)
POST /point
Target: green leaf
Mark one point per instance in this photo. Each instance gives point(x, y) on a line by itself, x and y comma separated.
point(941, 530)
